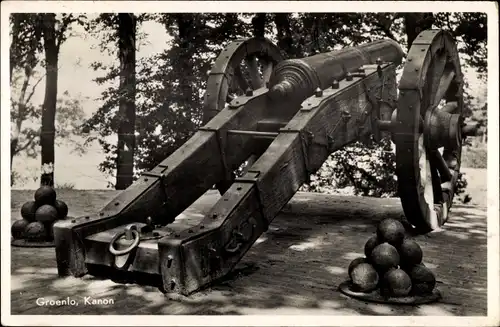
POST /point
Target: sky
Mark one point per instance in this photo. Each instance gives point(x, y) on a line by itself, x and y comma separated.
point(76, 77)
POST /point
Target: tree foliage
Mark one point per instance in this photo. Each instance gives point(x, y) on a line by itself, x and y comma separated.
point(69, 117)
point(34, 34)
point(55, 30)
point(370, 170)
point(170, 84)
point(26, 41)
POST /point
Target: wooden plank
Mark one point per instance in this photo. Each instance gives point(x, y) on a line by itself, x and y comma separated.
point(282, 170)
point(339, 117)
point(147, 258)
point(203, 251)
point(187, 174)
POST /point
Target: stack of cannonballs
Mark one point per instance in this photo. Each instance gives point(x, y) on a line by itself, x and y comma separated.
point(38, 217)
point(392, 265)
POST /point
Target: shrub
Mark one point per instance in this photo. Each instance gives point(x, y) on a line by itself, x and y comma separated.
point(366, 170)
point(65, 186)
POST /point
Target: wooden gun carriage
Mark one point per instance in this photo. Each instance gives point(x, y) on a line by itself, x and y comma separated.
point(283, 117)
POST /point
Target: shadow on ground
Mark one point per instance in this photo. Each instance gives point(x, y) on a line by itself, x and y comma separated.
point(294, 268)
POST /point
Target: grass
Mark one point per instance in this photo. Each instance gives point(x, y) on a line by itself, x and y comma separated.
point(81, 202)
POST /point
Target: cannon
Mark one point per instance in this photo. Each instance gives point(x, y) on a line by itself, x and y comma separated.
point(284, 117)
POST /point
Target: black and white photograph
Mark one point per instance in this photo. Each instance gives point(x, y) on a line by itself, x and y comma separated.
point(267, 163)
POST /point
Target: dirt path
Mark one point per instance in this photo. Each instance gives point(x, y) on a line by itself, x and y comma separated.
point(294, 268)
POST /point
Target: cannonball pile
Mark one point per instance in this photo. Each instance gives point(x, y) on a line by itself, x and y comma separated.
point(392, 264)
point(39, 216)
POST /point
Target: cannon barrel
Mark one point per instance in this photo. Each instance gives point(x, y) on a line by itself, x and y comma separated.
point(297, 79)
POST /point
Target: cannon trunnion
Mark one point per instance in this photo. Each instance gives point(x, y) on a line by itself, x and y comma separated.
point(283, 118)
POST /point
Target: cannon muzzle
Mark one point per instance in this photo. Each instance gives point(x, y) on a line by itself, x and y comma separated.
point(296, 79)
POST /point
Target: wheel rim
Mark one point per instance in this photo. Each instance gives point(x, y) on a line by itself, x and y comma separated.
point(428, 146)
point(242, 65)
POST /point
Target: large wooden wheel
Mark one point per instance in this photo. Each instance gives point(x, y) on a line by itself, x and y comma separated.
point(243, 66)
point(429, 134)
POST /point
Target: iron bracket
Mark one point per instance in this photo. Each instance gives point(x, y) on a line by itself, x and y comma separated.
point(244, 99)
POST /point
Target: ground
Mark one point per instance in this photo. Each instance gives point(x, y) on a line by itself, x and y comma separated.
point(294, 268)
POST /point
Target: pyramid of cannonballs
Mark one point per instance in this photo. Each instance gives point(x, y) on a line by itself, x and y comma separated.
point(39, 216)
point(392, 265)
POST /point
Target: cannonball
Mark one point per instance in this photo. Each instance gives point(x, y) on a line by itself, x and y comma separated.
point(410, 253)
point(356, 262)
point(62, 209)
point(28, 210)
point(36, 231)
point(370, 245)
point(423, 280)
point(364, 278)
point(384, 256)
point(391, 231)
point(397, 282)
point(409, 267)
point(18, 228)
point(46, 213)
point(45, 195)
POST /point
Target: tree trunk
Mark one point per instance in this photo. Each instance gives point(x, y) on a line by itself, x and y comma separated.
point(259, 24)
point(126, 129)
point(185, 23)
point(416, 23)
point(21, 112)
point(47, 135)
point(284, 31)
point(15, 41)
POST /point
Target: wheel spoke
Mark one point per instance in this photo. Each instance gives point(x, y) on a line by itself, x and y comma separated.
point(444, 84)
point(267, 70)
point(441, 166)
point(436, 72)
point(436, 185)
point(230, 98)
point(451, 159)
point(240, 79)
point(424, 164)
point(427, 183)
point(448, 188)
point(253, 69)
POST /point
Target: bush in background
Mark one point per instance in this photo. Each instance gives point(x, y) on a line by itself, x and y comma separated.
point(365, 169)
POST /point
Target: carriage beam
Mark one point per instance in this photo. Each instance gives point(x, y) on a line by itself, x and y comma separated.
point(208, 251)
